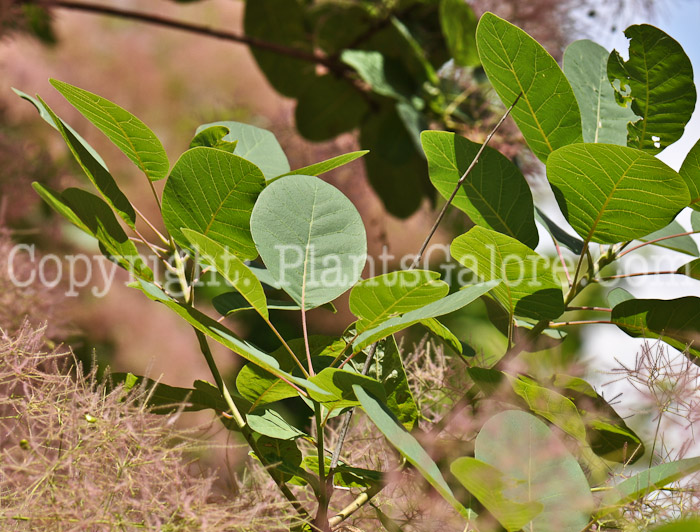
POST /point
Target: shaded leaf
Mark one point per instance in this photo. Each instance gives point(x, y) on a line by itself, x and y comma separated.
point(603, 119)
point(213, 192)
point(213, 137)
point(310, 237)
point(487, 484)
point(269, 422)
point(458, 23)
point(547, 113)
point(439, 330)
point(494, 195)
point(339, 384)
point(617, 296)
point(407, 445)
point(658, 82)
point(259, 146)
point(386, 76)
point(231, 302)
point(525, 450)
point(690, 172)
point(126, 131)
point(602, 188)
point(691, 269)
point(675, 321)
point(528, 288)
point(283, 457)
point(682, 244)
point(573, 243)
point(230, 268)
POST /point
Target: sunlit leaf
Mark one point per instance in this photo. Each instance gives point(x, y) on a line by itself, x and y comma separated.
point(547, 113)
point(213, 192)
point(339, 384)
point(126, 131)
point(602, 188)
point(690, 172)
point(317, 169)
point(270, 423)
point(213, 137)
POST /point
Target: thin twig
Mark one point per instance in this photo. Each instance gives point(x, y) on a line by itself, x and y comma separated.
point(630, 250)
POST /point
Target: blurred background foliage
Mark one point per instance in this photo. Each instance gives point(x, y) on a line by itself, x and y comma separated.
point(327, 76)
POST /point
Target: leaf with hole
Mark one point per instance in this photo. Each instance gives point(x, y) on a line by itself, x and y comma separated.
point(494, 195)
point(675, 321)
point(126, 131)
point(547, 113)
point(603, 119)
point(213, 192)
point(528, 289)
point(602, 189)
point(657, 81)
point(525, 450)
point(487, 484)
point(310, 237)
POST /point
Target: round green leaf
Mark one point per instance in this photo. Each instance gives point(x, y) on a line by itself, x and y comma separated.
point(494, 195)
point(310, 237)
point(612, 194)
point(540, 469)
point(547, 113)
point(658, 81)
point(213, 192)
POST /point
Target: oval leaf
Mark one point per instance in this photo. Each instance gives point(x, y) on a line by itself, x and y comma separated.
point(126, 131)
point(458, 24)
point(540, 469)
point(690, 172)
point(494, 195)
point(602, 189)
point(658, 82)
point(310, 237)
point(528, 289)
point(547, 113)
point(213, 192)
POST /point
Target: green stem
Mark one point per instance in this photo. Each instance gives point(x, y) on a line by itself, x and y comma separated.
point(321, 520)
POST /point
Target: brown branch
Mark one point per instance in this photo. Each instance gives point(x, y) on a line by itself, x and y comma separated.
point(199, 29)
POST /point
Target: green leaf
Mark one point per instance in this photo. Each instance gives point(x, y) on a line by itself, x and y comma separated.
point(603, 119)
point(540, 467)
point(329, 107)
point(675, 321)
point(442, 332)
point(682, 244)
point(684, 525)
point(328, 165)
point(443, 306)
point(230, 268)
point(547, 113)
point(221, 334)
point(339, 384)
point(269, 422)
point(386, 76)
point(377, 299)
point(94, 169)
point(232, 302)
point(617, 296)
point(487, 484)
point(658, 82)
point(387, 367)
point(690, 172)
point(394, 166)
point(695, 220)
point(573, 243)
point(494, 195)
point(43, 113)
point(213, 137)
point(126, 131)
point(256, 145)
point(602, 188)
point(310, 237)
point(281, 23)
point(607, 433)
point(40, 22)
point(95, 217)
point(164, 399)
point(528, 288)
point(213, 192)
point(458, 23)
point(407, 445)
point(283, 457)
point(646, 482)
point(691, 269)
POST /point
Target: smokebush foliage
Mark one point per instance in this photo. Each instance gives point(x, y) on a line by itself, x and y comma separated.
point(597, 125)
